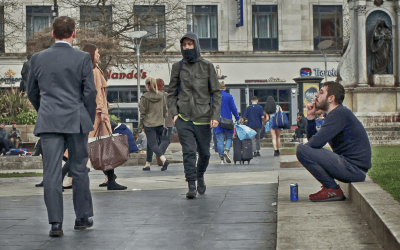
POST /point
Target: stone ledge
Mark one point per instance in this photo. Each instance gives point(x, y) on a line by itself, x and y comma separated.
point(35, 162)
point(378, 208)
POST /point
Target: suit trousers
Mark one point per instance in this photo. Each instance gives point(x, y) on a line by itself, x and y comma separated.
point(194, 138)
point(53, 150)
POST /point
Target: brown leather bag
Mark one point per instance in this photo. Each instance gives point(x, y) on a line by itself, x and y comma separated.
point(108, 152)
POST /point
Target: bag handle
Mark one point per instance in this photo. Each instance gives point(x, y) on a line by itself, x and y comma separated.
point(98, 131)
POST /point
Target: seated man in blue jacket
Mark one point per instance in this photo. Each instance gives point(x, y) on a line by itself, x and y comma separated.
point(351, 156)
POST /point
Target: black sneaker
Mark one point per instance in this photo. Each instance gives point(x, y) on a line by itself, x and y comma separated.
point(146, 169)
point(258, 154)
point(201, 186)
point(191, 194)
point(82, 224)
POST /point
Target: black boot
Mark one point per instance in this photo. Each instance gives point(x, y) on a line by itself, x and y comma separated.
point(191, 194)
point(111, 184)
point(201, 186)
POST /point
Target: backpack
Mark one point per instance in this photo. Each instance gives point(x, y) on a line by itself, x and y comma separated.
point(281, 120)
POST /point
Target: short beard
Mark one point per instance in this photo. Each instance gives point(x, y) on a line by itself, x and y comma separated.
point(323, 105)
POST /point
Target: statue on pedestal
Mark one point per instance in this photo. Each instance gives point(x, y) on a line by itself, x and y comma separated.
point(381, 47)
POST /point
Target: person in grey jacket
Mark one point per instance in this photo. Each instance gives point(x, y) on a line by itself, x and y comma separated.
point(3, 132)
point(141, 141)
point(153, 110)
point(194, 98)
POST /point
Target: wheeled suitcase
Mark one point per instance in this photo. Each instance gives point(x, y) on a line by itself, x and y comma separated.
point(242, 150)
point(237, 150)
point(247, 150)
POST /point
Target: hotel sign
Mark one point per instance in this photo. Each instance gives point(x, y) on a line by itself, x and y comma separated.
point(9, 78)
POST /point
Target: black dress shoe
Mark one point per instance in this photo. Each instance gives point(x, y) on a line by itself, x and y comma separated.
point(104, 184)
point(39, 185)
point(56, 230)
point(165, 166)
point(82, 224)
point(68, 187)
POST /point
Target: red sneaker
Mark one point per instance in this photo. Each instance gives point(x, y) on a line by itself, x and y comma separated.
point(311, 195)
point(328, 194)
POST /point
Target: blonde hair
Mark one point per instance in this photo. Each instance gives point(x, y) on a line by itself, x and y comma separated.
point(152, 84)
point(222, 85)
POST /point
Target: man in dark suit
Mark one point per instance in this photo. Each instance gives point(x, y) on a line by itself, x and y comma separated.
point(61, 88)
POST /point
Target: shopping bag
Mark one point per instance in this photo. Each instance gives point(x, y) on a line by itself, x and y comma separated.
point(281, 120)
point(109, 151)
point(243, 132)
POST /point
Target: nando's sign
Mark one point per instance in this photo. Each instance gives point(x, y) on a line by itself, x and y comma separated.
point(130, 75)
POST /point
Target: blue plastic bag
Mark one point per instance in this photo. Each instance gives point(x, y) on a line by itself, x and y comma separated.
point(243, 132)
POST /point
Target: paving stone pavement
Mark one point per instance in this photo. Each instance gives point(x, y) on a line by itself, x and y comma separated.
point(238, 210)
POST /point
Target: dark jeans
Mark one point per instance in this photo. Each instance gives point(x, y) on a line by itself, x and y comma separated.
point(165, 141)
point(153, 135)
point(326, 166)
point(256, 140)
point(194, 138)
point(299, 133)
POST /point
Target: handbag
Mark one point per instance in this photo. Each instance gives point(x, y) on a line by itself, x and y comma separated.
point(281, 120)
point(244, 132)
point(226, 123)
point(109, 151)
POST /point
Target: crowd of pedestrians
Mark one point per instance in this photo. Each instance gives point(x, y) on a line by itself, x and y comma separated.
point(68, 89)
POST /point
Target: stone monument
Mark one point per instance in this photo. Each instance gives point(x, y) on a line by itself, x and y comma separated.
point(370, 66)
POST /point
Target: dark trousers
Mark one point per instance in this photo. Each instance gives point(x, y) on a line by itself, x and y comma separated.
point(256, 140)
point(53, 150)
point(194, 138)
point(153, 135)
point(326, 166)
point(299, 133)
point(165, 141)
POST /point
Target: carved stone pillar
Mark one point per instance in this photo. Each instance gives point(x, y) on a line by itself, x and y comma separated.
point(362, 47)
point(397, 78)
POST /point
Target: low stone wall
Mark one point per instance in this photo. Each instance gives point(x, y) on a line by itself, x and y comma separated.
point(35, 162)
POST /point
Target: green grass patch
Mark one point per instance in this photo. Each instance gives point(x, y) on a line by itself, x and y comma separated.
point(288, 151)
point(13, 175)
point(385, 169)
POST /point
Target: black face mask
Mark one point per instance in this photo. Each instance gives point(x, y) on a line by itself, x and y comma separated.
point(190, 55)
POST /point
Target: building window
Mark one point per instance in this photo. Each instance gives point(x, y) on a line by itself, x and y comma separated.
point(96, 19)
point(2, 47)
point(37, 19)
point(328, 25)
point(151, 18)
point(265, 27)
point(203, 21)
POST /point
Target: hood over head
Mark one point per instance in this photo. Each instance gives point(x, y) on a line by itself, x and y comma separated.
point(195, 39)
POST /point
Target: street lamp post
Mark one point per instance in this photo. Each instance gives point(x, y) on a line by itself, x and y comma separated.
point(136, 37)
point(322, 46)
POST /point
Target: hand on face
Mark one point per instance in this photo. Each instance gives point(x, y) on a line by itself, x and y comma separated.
point(311, 109)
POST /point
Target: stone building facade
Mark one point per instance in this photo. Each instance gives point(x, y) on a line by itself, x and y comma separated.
point(257, 46)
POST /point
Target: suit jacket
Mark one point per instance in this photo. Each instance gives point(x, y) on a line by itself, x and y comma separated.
point(61, 88)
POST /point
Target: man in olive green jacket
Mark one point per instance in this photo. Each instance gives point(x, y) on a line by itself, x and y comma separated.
point(194, 99)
